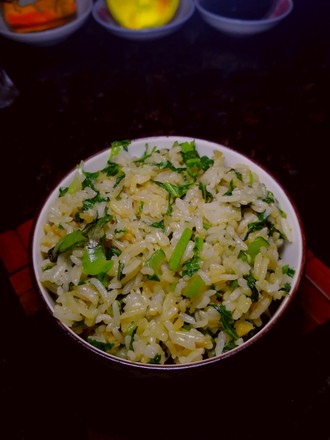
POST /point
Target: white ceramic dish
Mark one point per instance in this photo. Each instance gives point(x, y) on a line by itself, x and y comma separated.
point(293, 253)
point(239, 27)
point(102, 15)
point(51, 36)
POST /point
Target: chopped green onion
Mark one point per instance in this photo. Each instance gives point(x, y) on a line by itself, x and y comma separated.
point(286, 269)
point(177, 254)
point(94, 261)
point(154, 262)
point(104, 346)
point(254, 247)
point(251, 282)
point(195, 286)
point(67, 243)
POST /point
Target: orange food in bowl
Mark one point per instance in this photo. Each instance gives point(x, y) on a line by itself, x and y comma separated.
point(38, 15)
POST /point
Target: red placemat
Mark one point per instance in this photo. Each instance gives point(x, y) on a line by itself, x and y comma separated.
point(314, 295)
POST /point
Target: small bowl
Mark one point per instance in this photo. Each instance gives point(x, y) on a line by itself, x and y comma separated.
point(102, 15)
point(53, 36)
point(240, 26)
point(292, 253)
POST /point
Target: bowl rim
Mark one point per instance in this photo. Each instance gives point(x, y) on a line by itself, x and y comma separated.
point(238, 21)
point(118, 362)
point(84, 8)
point(147, 32)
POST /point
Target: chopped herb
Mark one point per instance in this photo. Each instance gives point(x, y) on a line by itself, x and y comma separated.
point(283, 214)
point(77, 217)
point(286, 269)
point(155, 359)
point(146, 154)
point(120, 177)
point(287, 287)
point(140, 209)
point(229, 346)
point(63, 190)
point(192, 160)
point(104, 346)
point(166, 164)
point(233, 284)
point(120, 231)
point(159, 225)
point(89, 203)
point(120, 274)
point(193, 265)
point(207, 196)
point(117, 146)
point(94, 230)
point(112, 169)
point(251, 282)
point(237, 174)
point(231, 189)
point(89, 179)
point(131, 332)
point(110, 252)
point(94, 260)
point(269, 198)
point(154, 262)
point(227, 320)
point(174, 190)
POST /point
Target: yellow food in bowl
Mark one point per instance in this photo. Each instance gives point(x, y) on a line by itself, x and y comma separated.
point(141, 14)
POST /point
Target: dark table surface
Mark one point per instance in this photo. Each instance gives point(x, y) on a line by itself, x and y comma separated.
point(266, 96)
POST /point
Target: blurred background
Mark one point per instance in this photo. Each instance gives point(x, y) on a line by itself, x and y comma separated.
point(266, 95)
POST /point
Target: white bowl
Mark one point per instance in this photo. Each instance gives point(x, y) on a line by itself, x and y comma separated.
point(51, 36)
point(102, 15)
point(293, 253)
point(242, 27)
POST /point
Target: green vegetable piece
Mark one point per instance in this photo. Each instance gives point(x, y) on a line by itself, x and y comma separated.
point(251, 282)
point(177, 254)
point(89, 179)
point(287, 287)
point(155, 359)
point(67, 243)
point(131, 332)
point(174, 190)
point(146, 154)
point(207, 196)
point(159, 225)
point(62, 191)
point(104, 346)
point(191, 266)
point(286, 269)
point(254, 247)
point(196, 285)
point(154, 263)
point(231, 188)
point(243, 256)
point(117, 146)
point(111, 169)
point(76, 183)
point(94, 260)
point(94, 230)
point(227, 320)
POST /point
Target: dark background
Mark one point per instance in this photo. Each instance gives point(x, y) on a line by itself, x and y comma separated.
point(266, 96)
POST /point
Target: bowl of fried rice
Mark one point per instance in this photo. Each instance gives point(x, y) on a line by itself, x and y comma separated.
point(167, 253)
